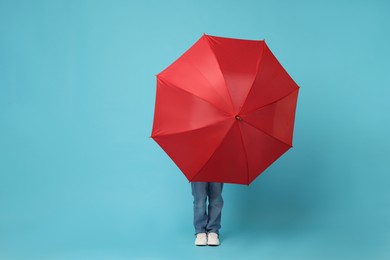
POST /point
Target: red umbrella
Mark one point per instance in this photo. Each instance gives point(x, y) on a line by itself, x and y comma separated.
point(225, 110)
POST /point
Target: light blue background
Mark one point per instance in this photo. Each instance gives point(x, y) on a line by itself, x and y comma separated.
point(81, 179)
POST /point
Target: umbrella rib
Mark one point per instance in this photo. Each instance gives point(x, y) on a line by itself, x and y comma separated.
point(190, 130)
point(219, 66)
point(254, 78)
point(212, 154)
point(261, 130)
point(179, 88)
point(201, 73)
point(283, 69)
point(245, 154)
point(273, 102)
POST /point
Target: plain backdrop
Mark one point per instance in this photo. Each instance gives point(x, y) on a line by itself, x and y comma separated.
point(81, 179)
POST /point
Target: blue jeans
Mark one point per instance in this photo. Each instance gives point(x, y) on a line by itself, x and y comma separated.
point(209, 221)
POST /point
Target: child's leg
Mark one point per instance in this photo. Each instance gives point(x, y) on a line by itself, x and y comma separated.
point(215, 207)
point(199, 191)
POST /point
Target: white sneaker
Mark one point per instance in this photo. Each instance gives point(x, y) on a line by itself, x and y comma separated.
point(201, 239)
point(212, 239)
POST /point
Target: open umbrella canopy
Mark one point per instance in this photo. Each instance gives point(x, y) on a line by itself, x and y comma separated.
point(225, 110)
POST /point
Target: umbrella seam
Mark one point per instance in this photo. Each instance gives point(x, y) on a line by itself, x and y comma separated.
point(261, 130)
point(254, 78)
point(273, 102)
point(213, 153)
point(223, 76)
point(195, 129)
point(169, 84)
point(223, 98)
point(268, 82)
point(245, 154)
